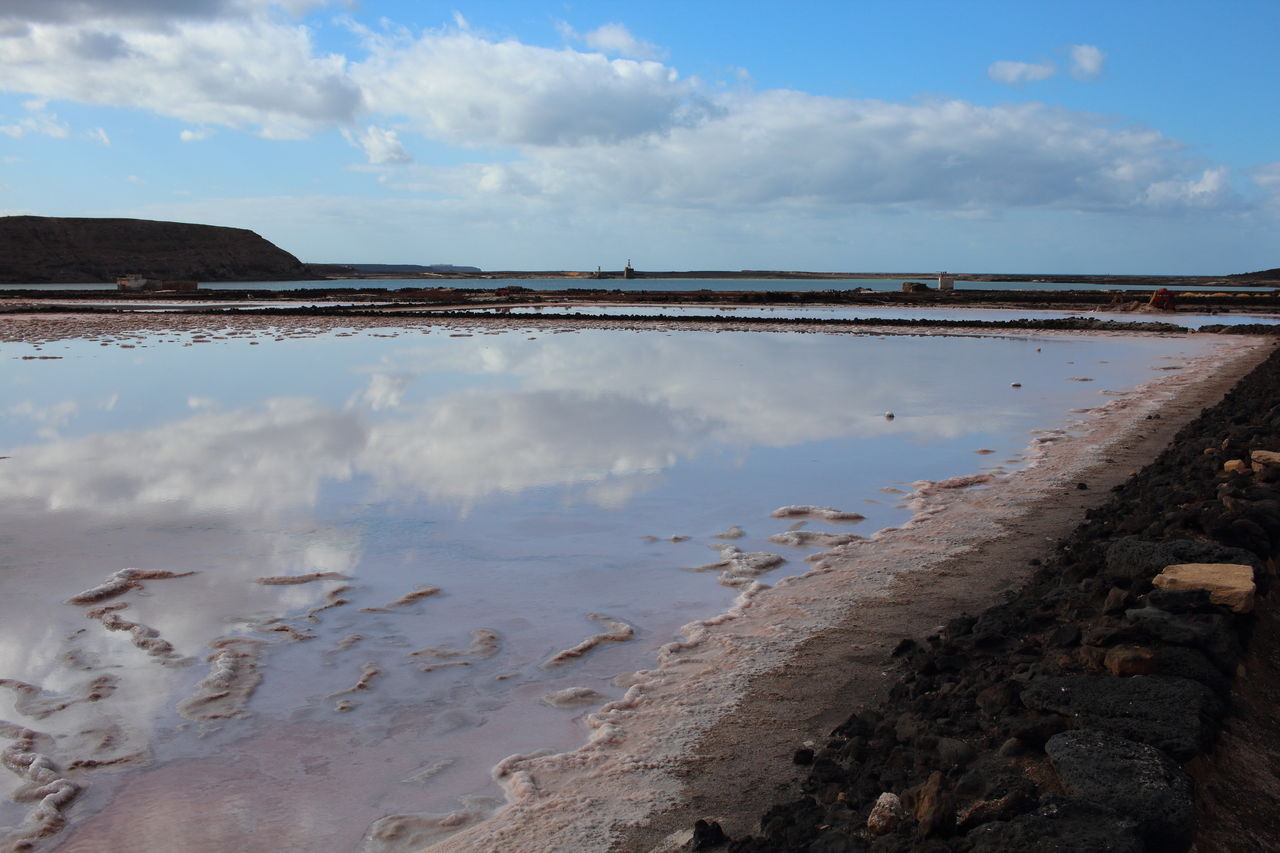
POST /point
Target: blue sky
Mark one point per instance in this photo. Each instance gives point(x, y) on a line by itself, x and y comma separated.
point(982, 136)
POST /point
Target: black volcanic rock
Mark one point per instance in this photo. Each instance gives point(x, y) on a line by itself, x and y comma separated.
point(1174, 714)
point(38, 249)
point(1133, 778)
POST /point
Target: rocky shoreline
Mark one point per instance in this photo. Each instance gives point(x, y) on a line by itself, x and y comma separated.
point(1094, 710)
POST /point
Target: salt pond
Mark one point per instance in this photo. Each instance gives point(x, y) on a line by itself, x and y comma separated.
point(455, 509)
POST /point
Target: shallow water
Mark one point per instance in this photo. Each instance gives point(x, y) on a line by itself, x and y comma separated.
point(537, 480)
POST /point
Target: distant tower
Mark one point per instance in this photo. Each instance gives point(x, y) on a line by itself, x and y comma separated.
point(946, 282)
point(628, 272)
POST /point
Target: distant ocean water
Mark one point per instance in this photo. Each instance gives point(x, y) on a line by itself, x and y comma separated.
point(715, 284)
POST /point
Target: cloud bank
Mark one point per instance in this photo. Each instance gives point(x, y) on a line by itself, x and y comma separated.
point(610, 123)
point(790, 147)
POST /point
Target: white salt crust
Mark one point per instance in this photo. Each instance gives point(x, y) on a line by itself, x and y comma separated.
point(616, 631)
point(44, 785)
point(233, 676)
point(825, 513)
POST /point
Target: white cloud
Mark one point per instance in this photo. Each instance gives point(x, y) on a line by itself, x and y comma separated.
point(41, 124)
point(249, 72)
point(1086, 61)
point(462, 88)
point(79, 10)
point(134, 179)
point(1007, 71)
point(380, 146)
point(617, 39)
point(99, 135)
point(151, 12)
point(790, 148)
point(195, 135)
point(1267, 176)
point(239, 65)
point(1210, 189)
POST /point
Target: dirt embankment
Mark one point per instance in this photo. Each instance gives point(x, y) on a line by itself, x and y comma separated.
point(1096, 709)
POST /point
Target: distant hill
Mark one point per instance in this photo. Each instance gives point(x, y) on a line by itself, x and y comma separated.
point(376, 269)
point(1260, 275)
point(38, 249)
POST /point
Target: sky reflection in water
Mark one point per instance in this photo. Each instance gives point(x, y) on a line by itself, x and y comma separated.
point(535, 478)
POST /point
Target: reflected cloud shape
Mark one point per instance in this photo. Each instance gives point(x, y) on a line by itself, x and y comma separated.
point(465, 447)
point(586, 410)
point(747, 388)
point(246, 462)
point(385, 391)
point(50, 417)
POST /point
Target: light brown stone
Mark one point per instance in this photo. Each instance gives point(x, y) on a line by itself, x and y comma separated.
point(929, 804)
point(1235, 466)
point(1229, 584)
point(1265, 457)
point(1124, 661)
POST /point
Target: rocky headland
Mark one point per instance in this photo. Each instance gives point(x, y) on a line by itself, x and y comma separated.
point(56, 250)
point(1122, 700)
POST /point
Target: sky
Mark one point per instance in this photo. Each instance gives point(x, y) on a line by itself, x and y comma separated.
point(983, 136)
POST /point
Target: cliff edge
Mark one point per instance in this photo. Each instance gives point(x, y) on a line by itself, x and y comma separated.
point(39, 249)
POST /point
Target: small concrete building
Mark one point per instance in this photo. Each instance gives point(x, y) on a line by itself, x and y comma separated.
point(946, 282)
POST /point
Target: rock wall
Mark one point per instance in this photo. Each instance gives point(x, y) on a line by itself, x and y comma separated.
point(40, 249)
point(1102, 707)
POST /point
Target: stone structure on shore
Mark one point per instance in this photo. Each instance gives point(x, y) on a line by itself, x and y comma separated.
point(1122, 700)
point(43, 249)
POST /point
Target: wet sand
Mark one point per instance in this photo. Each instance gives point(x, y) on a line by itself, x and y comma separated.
point(709, 733)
